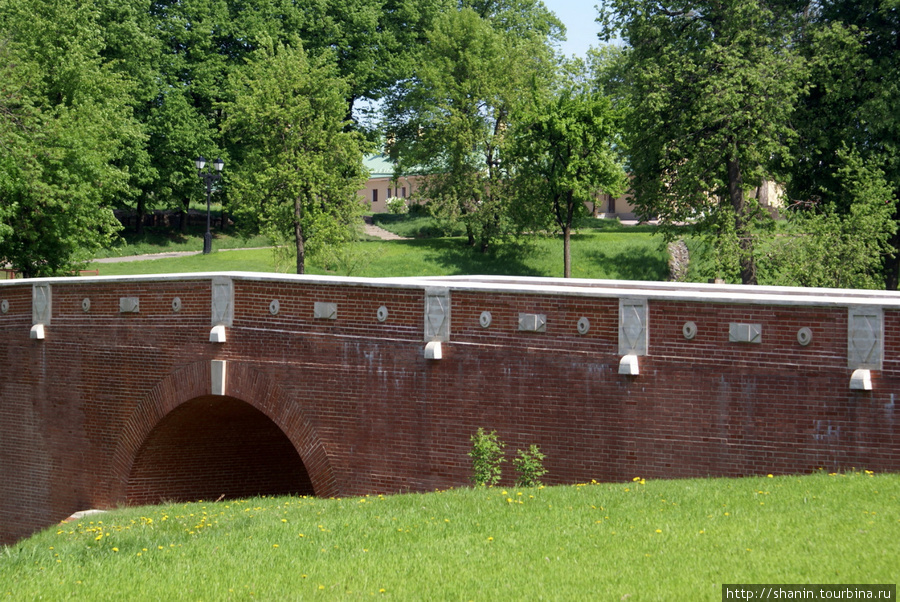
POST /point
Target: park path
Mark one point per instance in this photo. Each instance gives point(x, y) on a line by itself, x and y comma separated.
point(370, 229)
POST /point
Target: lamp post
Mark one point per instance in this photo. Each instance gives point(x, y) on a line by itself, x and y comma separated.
point(209, 176)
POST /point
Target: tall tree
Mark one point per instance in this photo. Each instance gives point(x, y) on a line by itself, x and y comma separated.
point(565, 154)
point(64, 114)
point(450, 121)
point(299, 170)
point(711, 89)
point(852, 110)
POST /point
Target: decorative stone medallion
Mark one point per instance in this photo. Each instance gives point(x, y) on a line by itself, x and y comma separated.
point(4, 306)
point(804, 336)
point(689, 330)
point(274, 307)
point(85, 305)
point(485, 319)
point(382, 313)
point(176, 304)
point(584, 326)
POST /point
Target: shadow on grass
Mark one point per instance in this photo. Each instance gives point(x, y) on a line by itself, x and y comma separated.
point(456, 258)
point(632, 263)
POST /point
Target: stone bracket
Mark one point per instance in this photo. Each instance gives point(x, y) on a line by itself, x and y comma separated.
point(861, 380)
point(433, 351)
point(217, 334)
point(628, 365)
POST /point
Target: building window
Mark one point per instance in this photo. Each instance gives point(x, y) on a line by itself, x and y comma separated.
point(374, 196)
point(389, 193)
point(403, 194)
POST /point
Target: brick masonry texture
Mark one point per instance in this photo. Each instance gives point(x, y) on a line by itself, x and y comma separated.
point(114, 407)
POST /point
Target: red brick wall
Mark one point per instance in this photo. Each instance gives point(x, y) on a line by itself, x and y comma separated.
point(114, 407)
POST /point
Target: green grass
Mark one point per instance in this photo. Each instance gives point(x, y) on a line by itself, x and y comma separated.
point(165, 240)
point(615, 255)
point(658, 540)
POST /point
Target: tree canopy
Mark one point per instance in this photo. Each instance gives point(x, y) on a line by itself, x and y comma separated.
point(711, 87)
point(298, 170)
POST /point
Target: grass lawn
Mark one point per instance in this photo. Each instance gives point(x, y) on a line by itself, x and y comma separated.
point(653, 540)
point(605, 250)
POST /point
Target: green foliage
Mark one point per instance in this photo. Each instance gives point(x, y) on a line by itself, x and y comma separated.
point(450, 122)
point(854, 103)
point(710, 92)
point(823, 247)
point(486, 455)
point(529, 465)
point(65, 126)
point(565, 155)
point(299, 169)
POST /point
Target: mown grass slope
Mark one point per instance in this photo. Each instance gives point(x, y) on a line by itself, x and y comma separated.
point(641, 540)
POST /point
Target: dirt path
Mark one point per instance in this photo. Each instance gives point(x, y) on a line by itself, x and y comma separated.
point(373, 230)
point(370, 229)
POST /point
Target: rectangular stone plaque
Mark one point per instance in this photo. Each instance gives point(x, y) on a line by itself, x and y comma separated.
point(865, 338)
point(633, 332)
point(533, 322)
point(744, 333)
point(41, 304)
point(437, 314)
point(129, 305)
point(325, 311)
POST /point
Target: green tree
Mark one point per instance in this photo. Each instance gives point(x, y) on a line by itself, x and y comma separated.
point(711, 89)
point(450, 122)
point(854, 103)
point(822, 246)
point(65, 125)
point(299, 170)
point(565, 155)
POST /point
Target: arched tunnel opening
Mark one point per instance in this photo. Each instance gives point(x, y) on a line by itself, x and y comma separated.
point(215, 447)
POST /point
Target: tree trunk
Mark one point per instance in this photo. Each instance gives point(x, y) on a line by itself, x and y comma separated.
point(567, 236)
point(141, 211)
point(892, 262)
point(298, 235)
point(184, 216)
point(741, 221)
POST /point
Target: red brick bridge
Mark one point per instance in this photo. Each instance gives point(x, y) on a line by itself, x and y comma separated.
point(195, 386)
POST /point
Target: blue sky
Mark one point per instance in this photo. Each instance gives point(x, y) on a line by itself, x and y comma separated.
point(579, 18)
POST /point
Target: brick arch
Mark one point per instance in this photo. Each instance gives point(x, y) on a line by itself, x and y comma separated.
point(192, 383)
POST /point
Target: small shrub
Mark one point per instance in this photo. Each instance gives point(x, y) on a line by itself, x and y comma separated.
point(487, 455)
point(397, 205)
point(529, 466)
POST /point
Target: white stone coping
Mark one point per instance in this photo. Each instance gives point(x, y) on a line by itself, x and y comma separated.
point(663, 291)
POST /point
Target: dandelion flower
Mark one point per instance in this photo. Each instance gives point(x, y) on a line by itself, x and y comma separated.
point(659, 530)
point(769, 476)
point(115, 549)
